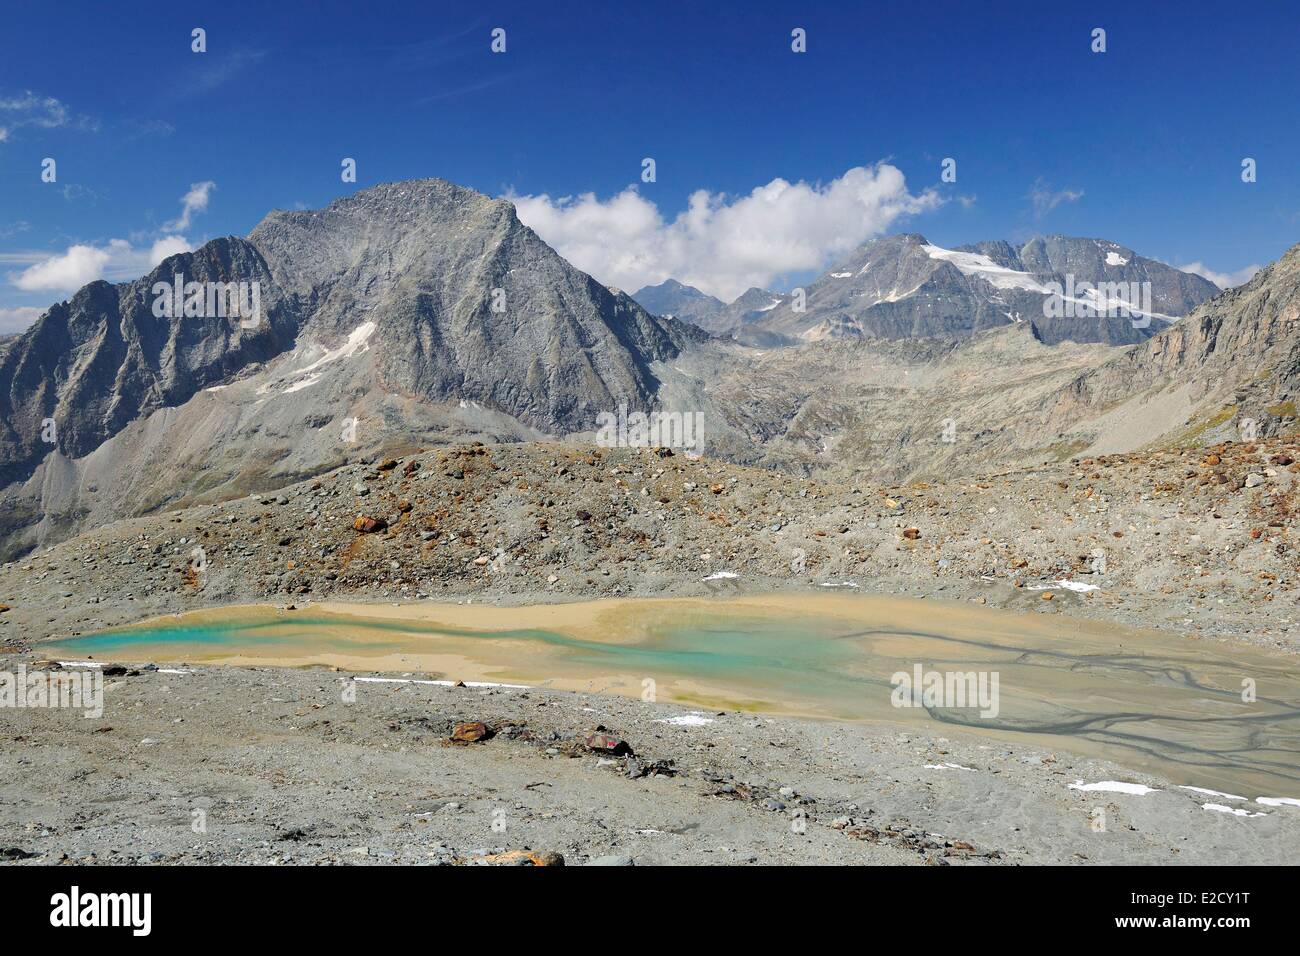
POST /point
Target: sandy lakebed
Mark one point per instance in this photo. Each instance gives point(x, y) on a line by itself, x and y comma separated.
point(763, 728)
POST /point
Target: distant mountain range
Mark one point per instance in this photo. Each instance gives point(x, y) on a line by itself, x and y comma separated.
point(713, 315)
point(1084, 290)
point(420, 313)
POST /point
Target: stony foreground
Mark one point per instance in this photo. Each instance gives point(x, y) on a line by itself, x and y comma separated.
point(1201, 542)
point(224, 765)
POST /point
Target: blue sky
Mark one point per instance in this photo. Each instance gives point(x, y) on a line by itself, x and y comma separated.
point(1142, 144)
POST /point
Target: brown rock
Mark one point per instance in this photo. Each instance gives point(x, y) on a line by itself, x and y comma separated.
point(520, 858)
point(368, 525)
point(911, 533)
point(471, 732)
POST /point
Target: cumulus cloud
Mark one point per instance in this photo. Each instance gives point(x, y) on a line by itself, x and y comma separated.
point(723, 244)
point(1224, 280)
point(116, 259)
point(1044, 199)
point(194, 201)
point(17, 319)
point(79, 264)
point(70, 270)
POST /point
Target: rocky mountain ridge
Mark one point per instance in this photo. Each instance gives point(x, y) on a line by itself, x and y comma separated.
point(906, 287)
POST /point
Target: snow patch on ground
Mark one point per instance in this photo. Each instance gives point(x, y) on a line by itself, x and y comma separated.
point(356, 342)
point(1213, 793)
point(1065, 585)
point(436, 683)
point(1113, 786)
point(302, 383)
point(160, 670)
point(687, 720)
point(1235, 811)
point(1278, 801)
point(720, 575)
point(949, 766)
point(297, 379)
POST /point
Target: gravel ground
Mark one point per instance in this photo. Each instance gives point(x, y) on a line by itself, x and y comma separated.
point(1199, 542)
point(285, 770)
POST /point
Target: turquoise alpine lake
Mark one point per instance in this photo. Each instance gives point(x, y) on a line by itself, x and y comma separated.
point(1194, 712)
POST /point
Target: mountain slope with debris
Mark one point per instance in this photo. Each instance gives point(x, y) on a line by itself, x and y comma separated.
point(1178, 532)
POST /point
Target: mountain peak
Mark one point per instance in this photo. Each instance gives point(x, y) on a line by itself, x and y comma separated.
point(686, 302)
point(903, 286)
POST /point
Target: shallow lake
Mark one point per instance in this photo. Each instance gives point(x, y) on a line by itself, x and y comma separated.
point(1195, 712)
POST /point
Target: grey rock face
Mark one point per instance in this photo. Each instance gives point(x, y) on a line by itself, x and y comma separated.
point(468, 303)
point(402, 298)
point(103, 359)
point(749, 310)
point(905, 287)
point(1236, 357)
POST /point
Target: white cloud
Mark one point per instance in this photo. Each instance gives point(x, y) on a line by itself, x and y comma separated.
point(722, 244)
point(34, 109)
point(71, 270)
point(116, 259)
point(1224, 280)
point(167, 246)
point(17, 319)
point(1045, 199)
point(194, 201)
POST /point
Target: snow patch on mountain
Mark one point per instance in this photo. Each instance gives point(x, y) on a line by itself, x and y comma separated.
point(981, 266)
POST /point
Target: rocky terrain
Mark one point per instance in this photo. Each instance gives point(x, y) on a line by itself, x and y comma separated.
point(240, 765)
point(1198, 541)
